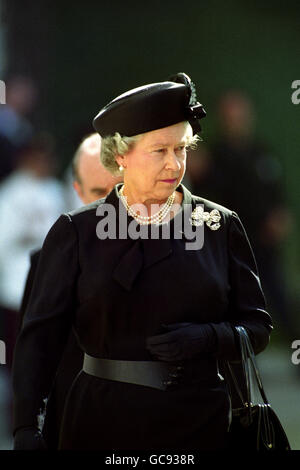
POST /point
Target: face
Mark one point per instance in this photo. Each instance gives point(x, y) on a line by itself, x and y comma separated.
point(156, 165)
point(96, 181)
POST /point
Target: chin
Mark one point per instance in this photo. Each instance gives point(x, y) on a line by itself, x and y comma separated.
point(164, 194)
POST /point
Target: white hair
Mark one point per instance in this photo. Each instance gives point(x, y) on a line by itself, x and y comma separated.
point(113, 146)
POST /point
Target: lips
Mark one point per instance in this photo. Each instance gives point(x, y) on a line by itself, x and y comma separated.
point(169, 180)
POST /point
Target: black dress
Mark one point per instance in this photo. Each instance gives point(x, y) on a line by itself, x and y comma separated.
point(117, 292)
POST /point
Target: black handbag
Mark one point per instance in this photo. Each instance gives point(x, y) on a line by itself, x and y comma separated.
point(254, 427)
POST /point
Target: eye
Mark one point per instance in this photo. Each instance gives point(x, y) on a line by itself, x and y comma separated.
point(99, 192)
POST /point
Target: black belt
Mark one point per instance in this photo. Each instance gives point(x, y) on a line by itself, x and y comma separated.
point(155, 374)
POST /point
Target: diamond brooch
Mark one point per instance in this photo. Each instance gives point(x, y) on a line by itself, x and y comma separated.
point(198, 217)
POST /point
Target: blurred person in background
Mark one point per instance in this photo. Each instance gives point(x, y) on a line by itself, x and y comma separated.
point(79, 134)
point(16, 130)
point(199, 171)
point(21, 97)
point(31, 199)
point(239, 171)
point(91, 181)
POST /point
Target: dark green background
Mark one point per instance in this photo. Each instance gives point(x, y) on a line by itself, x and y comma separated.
point(82, 54)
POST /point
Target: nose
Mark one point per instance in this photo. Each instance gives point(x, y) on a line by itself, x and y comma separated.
point(172, 162)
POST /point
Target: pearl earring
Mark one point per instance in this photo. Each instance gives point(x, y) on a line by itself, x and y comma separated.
point(121, 168)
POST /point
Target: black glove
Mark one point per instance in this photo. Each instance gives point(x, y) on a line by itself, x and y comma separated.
point(183, 341)
point(29, 438)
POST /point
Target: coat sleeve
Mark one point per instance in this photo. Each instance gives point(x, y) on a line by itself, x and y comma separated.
point(47, 322)
point(247, 306)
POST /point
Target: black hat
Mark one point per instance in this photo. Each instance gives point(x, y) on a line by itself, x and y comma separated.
point(151, 107)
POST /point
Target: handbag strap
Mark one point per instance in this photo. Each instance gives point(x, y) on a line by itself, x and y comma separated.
point(246, 368)
point(245, 400)
point(247, 360)
point(248, 353)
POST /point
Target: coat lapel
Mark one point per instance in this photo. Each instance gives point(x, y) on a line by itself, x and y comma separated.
point(130, 266)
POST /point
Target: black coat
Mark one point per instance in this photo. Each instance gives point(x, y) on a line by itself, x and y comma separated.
point(117, 292)
point(69, 366)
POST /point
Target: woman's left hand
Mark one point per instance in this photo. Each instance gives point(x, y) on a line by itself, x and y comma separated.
point(183, 341)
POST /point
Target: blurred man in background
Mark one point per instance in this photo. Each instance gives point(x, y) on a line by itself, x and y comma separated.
point(91, 180)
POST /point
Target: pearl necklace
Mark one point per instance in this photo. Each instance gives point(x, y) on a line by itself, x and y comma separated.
point(153, 219)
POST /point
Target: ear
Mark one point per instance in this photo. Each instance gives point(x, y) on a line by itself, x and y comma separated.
point(120, 159)
point(78, 189)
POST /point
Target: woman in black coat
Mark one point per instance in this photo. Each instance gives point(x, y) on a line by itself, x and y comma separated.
point(153, 280)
